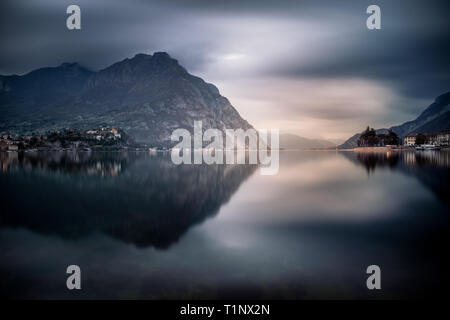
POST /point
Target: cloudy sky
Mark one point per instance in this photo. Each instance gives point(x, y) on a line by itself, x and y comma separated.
point(305, 67)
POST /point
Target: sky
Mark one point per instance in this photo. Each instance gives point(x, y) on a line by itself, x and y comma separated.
point(305, 67)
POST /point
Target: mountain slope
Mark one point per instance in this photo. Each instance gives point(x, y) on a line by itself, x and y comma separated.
point(439, 124)
point(148, 96)
point(291, 141)
point(20, 95)
point(351, 142)
point(437, 109)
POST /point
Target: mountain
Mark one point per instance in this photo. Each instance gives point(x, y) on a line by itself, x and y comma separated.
point(435, 118)
point(148, 96)
point(20, 95)
point(291, 141)
point(336, 141)
point(432, 119)
point(351, 142)
point(439, 124)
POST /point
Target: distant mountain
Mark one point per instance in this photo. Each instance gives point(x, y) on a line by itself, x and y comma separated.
point(435, 118)
point(148, 96)
point(336, 142)
point(291, 141)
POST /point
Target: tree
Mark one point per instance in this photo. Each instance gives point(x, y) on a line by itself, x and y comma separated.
point(421, 138)
point(34, 141)
point(368, 138)
point(391, 138)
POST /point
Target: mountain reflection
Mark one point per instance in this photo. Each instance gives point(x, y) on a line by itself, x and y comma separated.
point(430, 167)
point(135, 197)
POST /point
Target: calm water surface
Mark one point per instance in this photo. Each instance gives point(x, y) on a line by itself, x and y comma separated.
point(142, 227)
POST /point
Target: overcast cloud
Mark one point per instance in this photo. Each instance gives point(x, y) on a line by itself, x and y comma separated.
point(306, 67)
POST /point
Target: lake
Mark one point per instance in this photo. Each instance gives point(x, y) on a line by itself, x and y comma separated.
point(141, 227)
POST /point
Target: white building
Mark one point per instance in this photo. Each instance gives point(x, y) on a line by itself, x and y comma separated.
point(443, 138)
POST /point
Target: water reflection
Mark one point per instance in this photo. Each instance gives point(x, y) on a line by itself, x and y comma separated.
point(96, 164)
point(392, 159)
point(431, 168)
point(150, 201)
point(308, 232)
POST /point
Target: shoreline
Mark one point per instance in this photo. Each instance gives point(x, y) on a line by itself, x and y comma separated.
point(390, 149)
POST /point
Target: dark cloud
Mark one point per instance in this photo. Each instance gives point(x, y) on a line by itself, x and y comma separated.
point(417, 66)
point(229, 41)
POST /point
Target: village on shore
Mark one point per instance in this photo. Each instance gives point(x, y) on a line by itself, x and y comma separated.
point(98, 139)
point(114, 139)
point(369, 139)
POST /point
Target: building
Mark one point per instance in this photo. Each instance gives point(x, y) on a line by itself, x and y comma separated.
point(410, 139)
point(3, 145)
point(431, 138)
point(443, 138)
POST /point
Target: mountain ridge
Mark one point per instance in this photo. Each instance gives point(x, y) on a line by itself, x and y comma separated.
point(292, 141)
